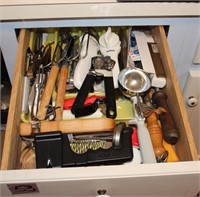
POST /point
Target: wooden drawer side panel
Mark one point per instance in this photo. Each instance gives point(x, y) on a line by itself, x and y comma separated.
point(10, 157)
point(185, 147)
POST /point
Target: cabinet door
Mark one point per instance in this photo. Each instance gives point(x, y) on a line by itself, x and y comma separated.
point(191, 96)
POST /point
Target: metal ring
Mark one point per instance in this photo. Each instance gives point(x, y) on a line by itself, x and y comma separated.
point(117, 133)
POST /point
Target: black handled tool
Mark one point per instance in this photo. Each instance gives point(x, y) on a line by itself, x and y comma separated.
point(101, 69)
point(83, 92)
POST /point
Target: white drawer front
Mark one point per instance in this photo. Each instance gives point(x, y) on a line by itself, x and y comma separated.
point(166, 179)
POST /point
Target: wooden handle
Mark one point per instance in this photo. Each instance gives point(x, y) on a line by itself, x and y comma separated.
point(31, 70)
point(170, 132)
point(61, 92)
point(156, 135)
point(48, 90)
point(71, 126)
point(145, 143)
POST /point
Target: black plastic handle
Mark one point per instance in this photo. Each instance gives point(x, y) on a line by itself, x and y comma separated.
point(83, 92)
point(111, 111)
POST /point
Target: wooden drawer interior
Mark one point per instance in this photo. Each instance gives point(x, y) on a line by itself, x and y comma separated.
point(185, 148)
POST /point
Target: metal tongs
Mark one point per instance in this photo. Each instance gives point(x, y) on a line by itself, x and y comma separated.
point(35, 78)
point(38, 90)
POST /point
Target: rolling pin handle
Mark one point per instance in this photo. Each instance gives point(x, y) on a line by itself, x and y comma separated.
point(170, 132)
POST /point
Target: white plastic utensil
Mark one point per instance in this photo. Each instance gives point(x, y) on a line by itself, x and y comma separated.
point(89, 49)
point(110, 45)
point(146, 147)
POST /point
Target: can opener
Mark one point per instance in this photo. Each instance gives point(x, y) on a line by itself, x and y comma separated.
point(110, 45)
point(89, 49)
point(101, 69)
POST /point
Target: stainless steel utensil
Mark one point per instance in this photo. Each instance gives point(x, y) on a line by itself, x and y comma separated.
point(132, 82)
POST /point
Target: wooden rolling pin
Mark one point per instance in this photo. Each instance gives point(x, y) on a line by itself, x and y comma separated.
point(156, 135)
point(69, 126)
point(170, 132)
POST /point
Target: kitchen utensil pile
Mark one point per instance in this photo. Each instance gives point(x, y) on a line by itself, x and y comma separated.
point(73, 84)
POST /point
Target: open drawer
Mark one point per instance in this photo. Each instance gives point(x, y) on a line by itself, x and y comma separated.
point(160, 179)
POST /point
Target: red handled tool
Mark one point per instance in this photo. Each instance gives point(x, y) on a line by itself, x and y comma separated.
point(68, 103)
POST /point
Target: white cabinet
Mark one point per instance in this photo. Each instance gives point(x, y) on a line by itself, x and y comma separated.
point(165, 179)
point(191, 96)
point(119, 181)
